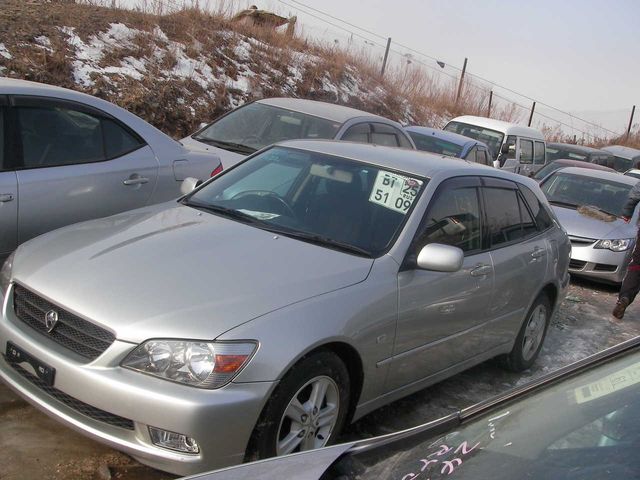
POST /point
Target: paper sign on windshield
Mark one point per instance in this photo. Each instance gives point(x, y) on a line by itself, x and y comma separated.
point(394, 191)
point(611, 383)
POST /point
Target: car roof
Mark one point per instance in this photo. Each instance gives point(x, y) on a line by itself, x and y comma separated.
point(624, 152)
point(581, 164)
point(455, 138)
point(500, 126)
point(575, 148)
point(414, 162)
point(588, 172)
point(330, 111)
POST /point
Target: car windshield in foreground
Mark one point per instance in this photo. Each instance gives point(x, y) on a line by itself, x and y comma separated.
point(586, 427)
point(249, 128)
point(572, 190)
point(429, 143)
point(321, 199)
point(491, 138)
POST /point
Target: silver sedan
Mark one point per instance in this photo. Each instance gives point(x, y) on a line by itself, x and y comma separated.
point(589, 205)
point(300, 290)
point(66, 157)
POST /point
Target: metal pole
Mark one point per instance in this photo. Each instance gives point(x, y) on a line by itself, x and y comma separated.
point(464, 69)
point(633, 111)
point(489, 107)
point(533, 108)
point(386, 55)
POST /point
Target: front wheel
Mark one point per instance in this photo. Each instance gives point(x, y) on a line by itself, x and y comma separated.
point(306, 411)
point(531, 336)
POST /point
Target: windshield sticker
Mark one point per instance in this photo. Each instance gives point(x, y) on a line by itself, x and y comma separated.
point(611, 383)
point(259, 215)
point(395, 192)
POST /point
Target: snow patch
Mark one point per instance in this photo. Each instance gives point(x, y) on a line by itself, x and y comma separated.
point(4, 53)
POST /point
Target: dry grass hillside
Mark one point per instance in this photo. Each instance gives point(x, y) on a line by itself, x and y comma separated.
point(178, 70)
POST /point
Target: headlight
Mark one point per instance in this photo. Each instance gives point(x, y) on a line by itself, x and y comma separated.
point(614, 245)
point(195, 363)
point(5, 274)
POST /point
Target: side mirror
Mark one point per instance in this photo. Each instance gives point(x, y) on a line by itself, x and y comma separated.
point(440, 258)
point(189, 184)
point(504, 149)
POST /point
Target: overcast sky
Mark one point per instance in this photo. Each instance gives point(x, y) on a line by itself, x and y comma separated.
point(577, 55)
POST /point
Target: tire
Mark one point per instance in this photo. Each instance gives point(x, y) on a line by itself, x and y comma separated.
point(275, 432)
point(531, 336)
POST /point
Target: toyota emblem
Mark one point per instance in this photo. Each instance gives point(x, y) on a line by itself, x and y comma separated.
point(50, 320)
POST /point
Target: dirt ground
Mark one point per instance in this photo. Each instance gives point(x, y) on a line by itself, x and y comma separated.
point(34, 446)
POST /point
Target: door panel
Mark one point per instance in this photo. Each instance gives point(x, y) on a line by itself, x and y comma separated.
point(440, 319)
point(8, 213)
point(56, 196)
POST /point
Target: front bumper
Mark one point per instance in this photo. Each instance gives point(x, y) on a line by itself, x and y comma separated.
point(599, 264)
point(221, 421)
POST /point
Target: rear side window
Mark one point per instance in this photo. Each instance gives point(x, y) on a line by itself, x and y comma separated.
point(526, 151)
point(358, 133)
point(471, 156)
point(539, 212)
point(503, 216)
point(2, 135)
point(538, 153)
point(482, 157)
point(454, 219)
point(60, 135)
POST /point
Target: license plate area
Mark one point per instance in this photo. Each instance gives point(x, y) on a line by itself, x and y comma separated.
point(17, 356)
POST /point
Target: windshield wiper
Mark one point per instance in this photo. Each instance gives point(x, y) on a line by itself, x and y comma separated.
point(563, 204)
point(234, 147)
point(225, 211)
point(320, 240)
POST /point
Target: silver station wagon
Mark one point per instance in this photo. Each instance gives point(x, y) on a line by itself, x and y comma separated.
point(299, 290)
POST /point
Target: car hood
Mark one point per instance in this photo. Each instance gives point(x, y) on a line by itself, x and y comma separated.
point(227, 158)
point(579, 225)
point(173, 271)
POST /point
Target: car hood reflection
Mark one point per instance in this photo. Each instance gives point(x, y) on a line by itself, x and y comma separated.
point(176, 272)
point(579, 225)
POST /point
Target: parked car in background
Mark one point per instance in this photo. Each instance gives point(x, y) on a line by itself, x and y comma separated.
point(588, 204)
point(634, 172)
point(66, 157)
point(517, 149)
point(386, 269)
point(625, 159)
point(579, 422)
point(258, 124)
point(581, 153)
point(451, 144)
point(558, 164)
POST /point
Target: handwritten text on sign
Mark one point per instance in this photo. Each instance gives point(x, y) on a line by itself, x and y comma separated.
point(394, 191)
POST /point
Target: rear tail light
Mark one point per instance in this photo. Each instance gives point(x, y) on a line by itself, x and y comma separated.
point(217, 170)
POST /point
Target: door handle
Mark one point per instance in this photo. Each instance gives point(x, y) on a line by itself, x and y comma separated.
point(6, 197)
point(135, 180)
point(538, 253)
point(481, 271)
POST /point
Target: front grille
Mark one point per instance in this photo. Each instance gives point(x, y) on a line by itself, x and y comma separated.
point(581, 241)
point(71, 331)
point(603, 267)
point(75, 404)
point(576, 264)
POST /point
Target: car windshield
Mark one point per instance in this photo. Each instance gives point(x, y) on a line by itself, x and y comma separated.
point(556, 153)
point(586, 427)
point(249, 128)
point(491, 138)
point(573, 190)
point(429, 143)
point(331, 201)
point(547, 169)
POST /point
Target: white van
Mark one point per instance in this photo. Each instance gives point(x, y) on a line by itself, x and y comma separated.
point(513, 147)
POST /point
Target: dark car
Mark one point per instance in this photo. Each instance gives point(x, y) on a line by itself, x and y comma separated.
point(558, 164)
point(451, 144)
point(580, 422)
point(569, 151)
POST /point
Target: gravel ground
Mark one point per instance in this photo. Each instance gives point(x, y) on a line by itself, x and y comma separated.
point(34, 446)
